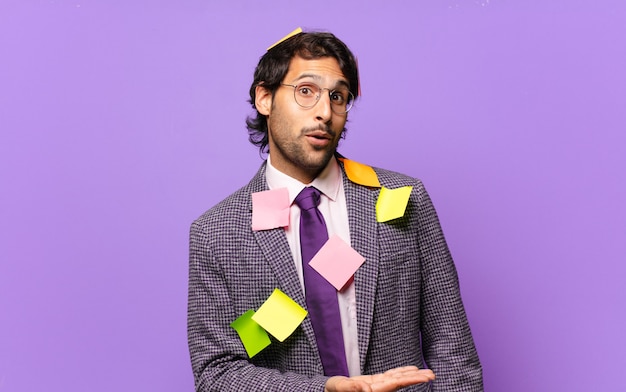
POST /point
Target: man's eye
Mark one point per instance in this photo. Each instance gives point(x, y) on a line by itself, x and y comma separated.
point(337, 97)
point(305, 91)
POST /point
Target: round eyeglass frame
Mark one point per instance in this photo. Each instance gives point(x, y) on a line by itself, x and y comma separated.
point(349, 103)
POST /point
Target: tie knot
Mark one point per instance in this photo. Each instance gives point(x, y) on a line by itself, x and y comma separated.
point(308, 198)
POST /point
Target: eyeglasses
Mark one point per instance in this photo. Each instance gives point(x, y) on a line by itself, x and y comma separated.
point(308, 95)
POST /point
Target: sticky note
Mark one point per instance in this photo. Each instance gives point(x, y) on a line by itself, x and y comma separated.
point(360, 174)
point(391, 203)
point(296, 31)
point(270, 209)
point(336, 261)
point(252, 335)
point(358, 77)
point(279, 315)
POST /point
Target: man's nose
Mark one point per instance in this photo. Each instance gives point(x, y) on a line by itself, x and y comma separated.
point(323, 108)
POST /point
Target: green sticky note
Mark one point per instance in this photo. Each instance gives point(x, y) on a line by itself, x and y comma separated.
point(253, 337)
point(391, 203)
point(279, 315)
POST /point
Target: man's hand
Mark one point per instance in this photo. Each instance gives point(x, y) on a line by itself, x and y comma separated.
point(390, 381)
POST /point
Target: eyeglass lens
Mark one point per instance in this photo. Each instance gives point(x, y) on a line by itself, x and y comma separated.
point(307, 95)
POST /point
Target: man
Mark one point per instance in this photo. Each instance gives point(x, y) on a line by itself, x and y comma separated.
point(400, 312)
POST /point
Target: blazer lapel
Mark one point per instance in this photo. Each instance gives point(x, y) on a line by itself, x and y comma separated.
point(361, 203)
point(274, 246)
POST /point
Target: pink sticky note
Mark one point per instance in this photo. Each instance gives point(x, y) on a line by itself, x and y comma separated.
point(336, 261)
point(270, 209)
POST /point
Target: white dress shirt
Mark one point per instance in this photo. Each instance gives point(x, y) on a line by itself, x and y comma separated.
point(335, 213)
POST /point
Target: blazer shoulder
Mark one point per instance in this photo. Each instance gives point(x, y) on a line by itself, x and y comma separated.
point(235, 204)
point(236, 209)
point(392, 179)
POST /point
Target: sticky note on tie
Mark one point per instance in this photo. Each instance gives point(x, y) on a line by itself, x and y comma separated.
point(296, 31)
point(336, 261)
point(270, 209)
point(279, 315)
point(391, 203)
point(252, 335)
point(360, 174)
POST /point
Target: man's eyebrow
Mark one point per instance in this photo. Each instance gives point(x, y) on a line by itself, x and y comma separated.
point(318, 78)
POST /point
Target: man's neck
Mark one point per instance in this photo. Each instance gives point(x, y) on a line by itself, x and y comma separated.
point(304, 178)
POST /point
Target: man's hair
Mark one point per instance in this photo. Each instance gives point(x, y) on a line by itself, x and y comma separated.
point(274, 65)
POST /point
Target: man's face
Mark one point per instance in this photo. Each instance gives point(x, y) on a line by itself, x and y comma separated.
point(303, 140)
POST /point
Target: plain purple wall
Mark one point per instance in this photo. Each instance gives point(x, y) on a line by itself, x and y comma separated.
point(122, 121)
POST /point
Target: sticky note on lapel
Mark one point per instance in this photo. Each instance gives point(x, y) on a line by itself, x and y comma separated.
point(360, 174)
point(280, 315)
point(270, 209)
point(391, 203)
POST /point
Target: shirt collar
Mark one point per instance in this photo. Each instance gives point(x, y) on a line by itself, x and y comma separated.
point(327, 181)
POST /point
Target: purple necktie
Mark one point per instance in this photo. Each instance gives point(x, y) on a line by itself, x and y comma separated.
point(321, 296)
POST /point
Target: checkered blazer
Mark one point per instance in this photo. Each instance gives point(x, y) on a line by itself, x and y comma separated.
point(409, 309)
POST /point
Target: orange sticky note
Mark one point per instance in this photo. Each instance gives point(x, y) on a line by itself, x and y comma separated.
point(360, 174)
point(336, 261)
point(358, 93)
point(270, 209)
point(296, 31)
point(391, 203)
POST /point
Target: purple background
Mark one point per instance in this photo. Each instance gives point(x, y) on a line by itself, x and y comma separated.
point(122, 121)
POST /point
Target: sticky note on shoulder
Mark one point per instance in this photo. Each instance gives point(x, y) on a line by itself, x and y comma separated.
point(252, 335)
point(360, 174)
point(391, 203)
point(280, 315)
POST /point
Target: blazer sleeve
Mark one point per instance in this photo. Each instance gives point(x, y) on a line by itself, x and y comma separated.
point(448, 346)
point(218, 358)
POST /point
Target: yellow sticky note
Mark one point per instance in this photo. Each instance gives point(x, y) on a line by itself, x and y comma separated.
point(296, 31)
point(391, 203)
point(360, 174)
point(253, 337)
point(279, 315)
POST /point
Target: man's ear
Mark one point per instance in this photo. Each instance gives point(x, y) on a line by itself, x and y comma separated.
point(263, 100)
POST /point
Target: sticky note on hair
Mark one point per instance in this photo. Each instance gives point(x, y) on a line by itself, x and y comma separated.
point(358, 77)
point(296, 31)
